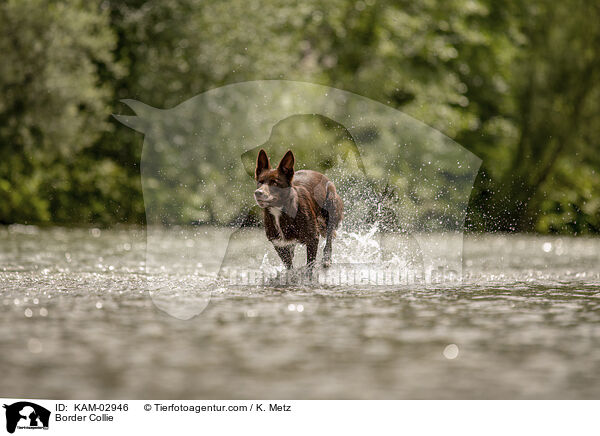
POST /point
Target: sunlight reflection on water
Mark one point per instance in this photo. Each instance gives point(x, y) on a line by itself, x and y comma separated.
point(524, 323)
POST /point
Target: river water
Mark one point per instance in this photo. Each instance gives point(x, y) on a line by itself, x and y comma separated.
point(78, 322)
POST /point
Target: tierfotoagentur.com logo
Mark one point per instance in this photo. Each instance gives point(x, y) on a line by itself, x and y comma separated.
point(342, 274)
point(24, 415)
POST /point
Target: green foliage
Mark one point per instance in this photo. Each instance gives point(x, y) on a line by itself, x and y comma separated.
point(53, 105)
point(517, 83)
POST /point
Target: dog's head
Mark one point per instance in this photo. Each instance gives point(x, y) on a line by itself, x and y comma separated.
point(273, 185)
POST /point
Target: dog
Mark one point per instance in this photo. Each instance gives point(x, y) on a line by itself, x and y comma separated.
point(298, 207)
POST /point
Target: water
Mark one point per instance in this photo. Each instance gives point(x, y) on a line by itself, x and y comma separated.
point(78, 322)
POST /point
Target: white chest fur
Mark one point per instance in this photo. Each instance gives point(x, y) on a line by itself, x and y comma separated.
point(280, 241)
point(276, 212)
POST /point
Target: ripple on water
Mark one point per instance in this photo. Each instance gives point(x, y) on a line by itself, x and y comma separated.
point(524, 323)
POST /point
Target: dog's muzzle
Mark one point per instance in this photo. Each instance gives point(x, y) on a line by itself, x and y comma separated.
point(261, 198)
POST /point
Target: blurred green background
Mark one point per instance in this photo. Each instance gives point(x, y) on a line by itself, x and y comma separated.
point(515, 82)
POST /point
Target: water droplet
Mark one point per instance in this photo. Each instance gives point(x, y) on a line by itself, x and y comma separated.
point(99, 305)
point(28, 313)
point(547, 247)
point(451, 351)
point(43, 311)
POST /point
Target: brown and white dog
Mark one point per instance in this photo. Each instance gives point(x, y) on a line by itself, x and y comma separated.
point(297, 208)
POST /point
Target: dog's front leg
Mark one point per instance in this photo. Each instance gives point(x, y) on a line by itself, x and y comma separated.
point(286, 254)
point(327, 252)
point(311, 252)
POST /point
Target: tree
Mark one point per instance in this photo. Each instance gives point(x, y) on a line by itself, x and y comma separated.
point(538, 171)
point(52, 105)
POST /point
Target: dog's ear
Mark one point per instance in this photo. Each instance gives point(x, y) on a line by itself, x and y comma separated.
point(286, 166)
point(262, 163)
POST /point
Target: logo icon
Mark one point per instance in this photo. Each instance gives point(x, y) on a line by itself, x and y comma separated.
point(26, 415)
